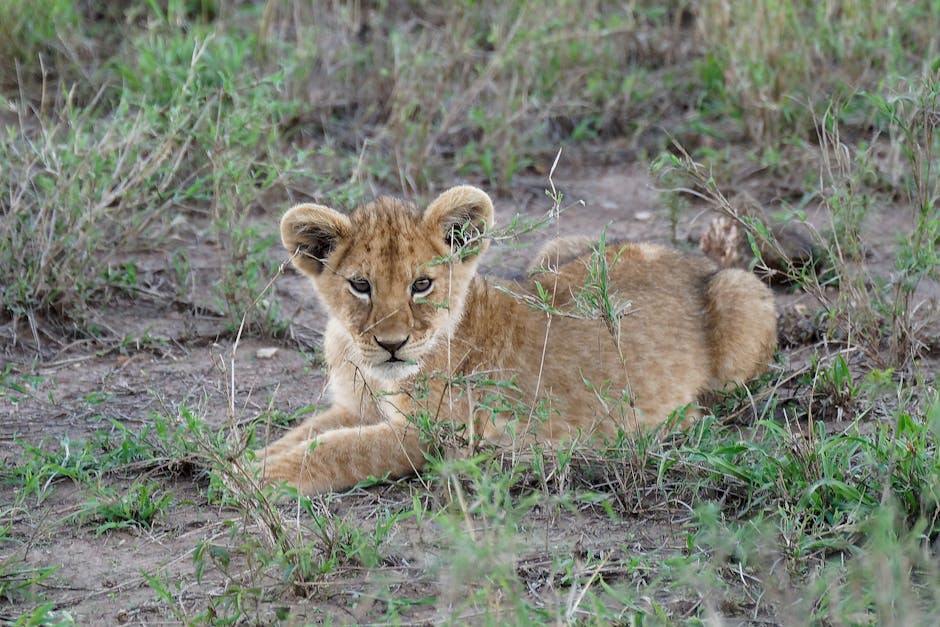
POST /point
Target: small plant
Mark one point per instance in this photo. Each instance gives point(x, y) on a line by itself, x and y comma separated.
point(16, 579)
point(482, 528)
point(107, 509)
point(41, 468)
point(242, 288)
point(595, 299)
point(17, 387)
point(835, 385)
point(45, 615)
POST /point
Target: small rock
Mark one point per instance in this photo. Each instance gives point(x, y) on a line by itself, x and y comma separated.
point(643, 216)
point(266, 353)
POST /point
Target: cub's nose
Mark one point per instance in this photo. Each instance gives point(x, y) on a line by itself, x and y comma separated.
point(391, 346)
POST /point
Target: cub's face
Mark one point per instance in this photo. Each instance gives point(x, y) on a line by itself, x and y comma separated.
point(393, 278)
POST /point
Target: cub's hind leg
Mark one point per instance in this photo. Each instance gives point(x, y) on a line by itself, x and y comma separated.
point(742, 326)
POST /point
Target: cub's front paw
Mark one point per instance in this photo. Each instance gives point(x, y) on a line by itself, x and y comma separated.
point(275, 470)
point(299, 468)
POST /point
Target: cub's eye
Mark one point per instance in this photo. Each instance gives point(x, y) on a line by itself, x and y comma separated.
point(421, 287)
point(360, 286)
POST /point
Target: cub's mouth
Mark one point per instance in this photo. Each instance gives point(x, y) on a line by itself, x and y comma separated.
point(395, 369)
point(396, 362)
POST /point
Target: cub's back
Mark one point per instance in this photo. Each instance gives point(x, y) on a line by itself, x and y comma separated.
point(637, 276)
point(631, 326)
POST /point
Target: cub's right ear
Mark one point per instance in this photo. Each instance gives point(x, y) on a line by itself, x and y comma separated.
point(310, 233)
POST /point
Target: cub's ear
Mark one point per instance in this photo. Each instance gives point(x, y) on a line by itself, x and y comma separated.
point(462, 214)
point(310, 233)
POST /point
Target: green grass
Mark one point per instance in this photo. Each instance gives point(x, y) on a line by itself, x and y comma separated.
point(771, 57)
point(35, 40)
point(776, 503)
point(182, 129)
point(95, 183)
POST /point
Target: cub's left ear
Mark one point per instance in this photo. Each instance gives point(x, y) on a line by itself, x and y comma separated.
point(462, 214)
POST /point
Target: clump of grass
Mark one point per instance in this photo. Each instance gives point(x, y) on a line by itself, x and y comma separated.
point(90, 187)
point(478, 91)
point(880, 312)
point(139, 506)
point(779, 57)
point(78, 199)
point(845, 538)
point(35, 38)
point(16, 579)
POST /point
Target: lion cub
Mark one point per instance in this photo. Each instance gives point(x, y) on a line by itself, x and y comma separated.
point(415, 334)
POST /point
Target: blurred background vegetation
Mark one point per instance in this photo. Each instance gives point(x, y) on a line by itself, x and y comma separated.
point(120, 117)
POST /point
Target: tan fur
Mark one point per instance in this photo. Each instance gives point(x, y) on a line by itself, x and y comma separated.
point(559, 251)
point(684, 327)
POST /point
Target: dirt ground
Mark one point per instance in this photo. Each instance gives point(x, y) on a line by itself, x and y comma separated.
point(180, 354)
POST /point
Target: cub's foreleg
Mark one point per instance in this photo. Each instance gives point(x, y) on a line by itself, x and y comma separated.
point(341, 458)
point(335, 417)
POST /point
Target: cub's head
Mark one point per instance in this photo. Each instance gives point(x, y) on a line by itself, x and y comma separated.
point(394, 278)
